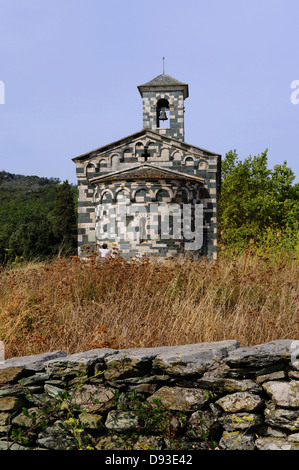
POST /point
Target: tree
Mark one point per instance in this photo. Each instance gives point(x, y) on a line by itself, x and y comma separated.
point(33, 239)
point(255, 199)
point(64, 219)
point(30, 228)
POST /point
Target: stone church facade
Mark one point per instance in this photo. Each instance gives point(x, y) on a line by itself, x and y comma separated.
point(151, 193)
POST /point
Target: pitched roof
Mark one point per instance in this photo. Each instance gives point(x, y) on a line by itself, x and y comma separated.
point(150, 134)
point(145, 171)
point(164, 81)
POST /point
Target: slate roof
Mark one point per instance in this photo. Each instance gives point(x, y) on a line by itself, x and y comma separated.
point(148, 172)
point(164, 81)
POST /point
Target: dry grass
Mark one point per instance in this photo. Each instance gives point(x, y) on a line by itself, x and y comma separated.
point(75, 306)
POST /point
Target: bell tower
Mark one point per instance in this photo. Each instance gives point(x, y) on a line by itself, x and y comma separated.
point(163, 106)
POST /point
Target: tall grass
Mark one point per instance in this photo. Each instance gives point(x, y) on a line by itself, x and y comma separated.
point(76, 305)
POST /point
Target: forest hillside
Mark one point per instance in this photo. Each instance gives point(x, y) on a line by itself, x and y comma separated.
point(33, 213)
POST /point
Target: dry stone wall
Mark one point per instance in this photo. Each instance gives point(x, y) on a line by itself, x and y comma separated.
point(190, 397)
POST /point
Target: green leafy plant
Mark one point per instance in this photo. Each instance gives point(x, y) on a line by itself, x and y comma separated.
point(59, 415)
point(156, 418)
point(255, 201)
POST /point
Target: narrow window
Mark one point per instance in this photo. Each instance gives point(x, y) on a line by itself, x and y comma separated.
point(163, 113)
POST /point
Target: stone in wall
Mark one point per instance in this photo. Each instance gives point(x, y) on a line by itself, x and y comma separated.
point(194, 397)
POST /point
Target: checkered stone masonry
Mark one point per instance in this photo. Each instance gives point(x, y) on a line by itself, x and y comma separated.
point(133, 193)
point(176, 115)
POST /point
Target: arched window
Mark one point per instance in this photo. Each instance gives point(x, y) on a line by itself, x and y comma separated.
point(90, 169)
point(162, 113)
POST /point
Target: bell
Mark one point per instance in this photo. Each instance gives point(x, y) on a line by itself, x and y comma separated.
point(163, 116)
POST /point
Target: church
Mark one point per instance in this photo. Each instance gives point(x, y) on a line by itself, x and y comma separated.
point(151, 193)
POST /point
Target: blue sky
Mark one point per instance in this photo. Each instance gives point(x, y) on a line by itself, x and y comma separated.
point(71, 70)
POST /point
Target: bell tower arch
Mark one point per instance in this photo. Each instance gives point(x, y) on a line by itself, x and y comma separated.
point(163, 113)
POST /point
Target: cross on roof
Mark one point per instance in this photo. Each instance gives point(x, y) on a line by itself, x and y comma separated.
point(145, 154)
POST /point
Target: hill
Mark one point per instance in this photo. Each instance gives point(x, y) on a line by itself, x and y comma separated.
point(26, 213)
point(17, 184)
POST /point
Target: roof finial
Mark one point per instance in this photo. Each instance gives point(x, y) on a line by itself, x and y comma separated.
point(163, 66)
